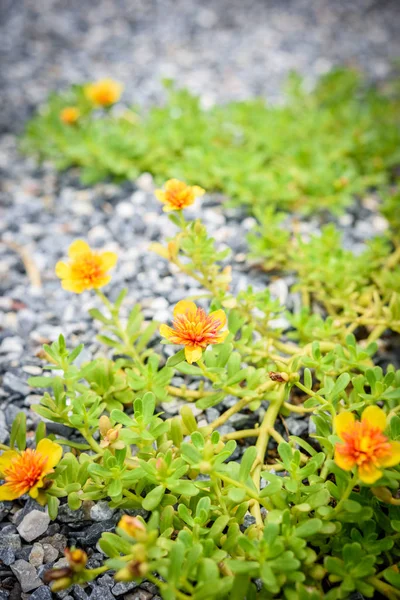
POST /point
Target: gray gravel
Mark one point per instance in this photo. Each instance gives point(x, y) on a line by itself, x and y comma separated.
point(221, 49)
point(228, 49)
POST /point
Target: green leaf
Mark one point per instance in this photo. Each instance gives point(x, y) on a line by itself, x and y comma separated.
point(247, 463)
point(176, 359)
point(308, 528)
point(18, 432)
point(153, 498)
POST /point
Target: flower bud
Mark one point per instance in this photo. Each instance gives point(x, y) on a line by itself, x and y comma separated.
point(134, 527)
point(77, 559)
point(104, 425)
point(382, 493)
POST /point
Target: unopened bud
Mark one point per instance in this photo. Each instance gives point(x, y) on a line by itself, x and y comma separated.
point(76, 558)
point(280, 377)
point(134, 527)
point(104, 425)
point(383, 494)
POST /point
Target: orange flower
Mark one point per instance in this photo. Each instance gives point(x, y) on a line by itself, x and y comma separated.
point(25, 471)
point(364, 444)
point(177, 195)
point(104, 92)
point(86, 270)
point(70, 115)
point(194, 329)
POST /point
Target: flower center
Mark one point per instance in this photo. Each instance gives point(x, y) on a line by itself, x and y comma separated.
point(196, 329)
point(88, 268)
point(365, 444)
point(25, 470)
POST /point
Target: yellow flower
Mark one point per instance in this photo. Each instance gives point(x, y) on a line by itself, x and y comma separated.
point(70, 115)
point(194, 329)
point(24, 472)
point(104, 92)
point(86, 270)
point(177, 195)
point(364, 444)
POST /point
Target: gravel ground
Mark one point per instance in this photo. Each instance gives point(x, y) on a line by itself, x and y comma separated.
point(223, 50)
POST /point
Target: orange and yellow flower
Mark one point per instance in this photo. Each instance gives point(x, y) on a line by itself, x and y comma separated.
point(104, 92)
point(70, 115)
point(176, 195)
point(364, 444)
point(86, 269)
point(25, 472)
point(194, 329)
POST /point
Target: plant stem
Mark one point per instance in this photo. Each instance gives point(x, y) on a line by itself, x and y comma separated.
point(261, 446)
point(353, 482)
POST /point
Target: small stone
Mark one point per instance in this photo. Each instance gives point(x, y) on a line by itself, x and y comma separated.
point(7, 556)
point(10, 541)
point(57, 541)
point(139, 595)
point(101, 511)
point(79, 593)
point(149, 587)
point(33, 525)
point(93, 533)
point(122, 587)
point(67, 515)
point(36, 556)
point(12, 383)
point(41, 593)
point(296, 426)
point(100, 593)
point(4, 595)
point(50, 554)
point(26, 575)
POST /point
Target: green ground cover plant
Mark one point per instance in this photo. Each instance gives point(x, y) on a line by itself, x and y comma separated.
point(312, 153)
point(326, 508)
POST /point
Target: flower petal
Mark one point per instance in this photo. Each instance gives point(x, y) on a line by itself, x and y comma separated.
point(50, 449)
point(160, 195)
point(63, 270)
point(77, 248)
point(6, 458)
point(166, 331)
point(8, 492)
point(73, 285)
point(219, 315)
point(185, 306)
point(342, 423)
point(369, 474)
point(221, 337)
point(375, 416)
point(193, 353)
point(344, 461)
point(174, 185)
point(101, 282)
point(393, 458)
point(108, 260)
point(198, 191)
